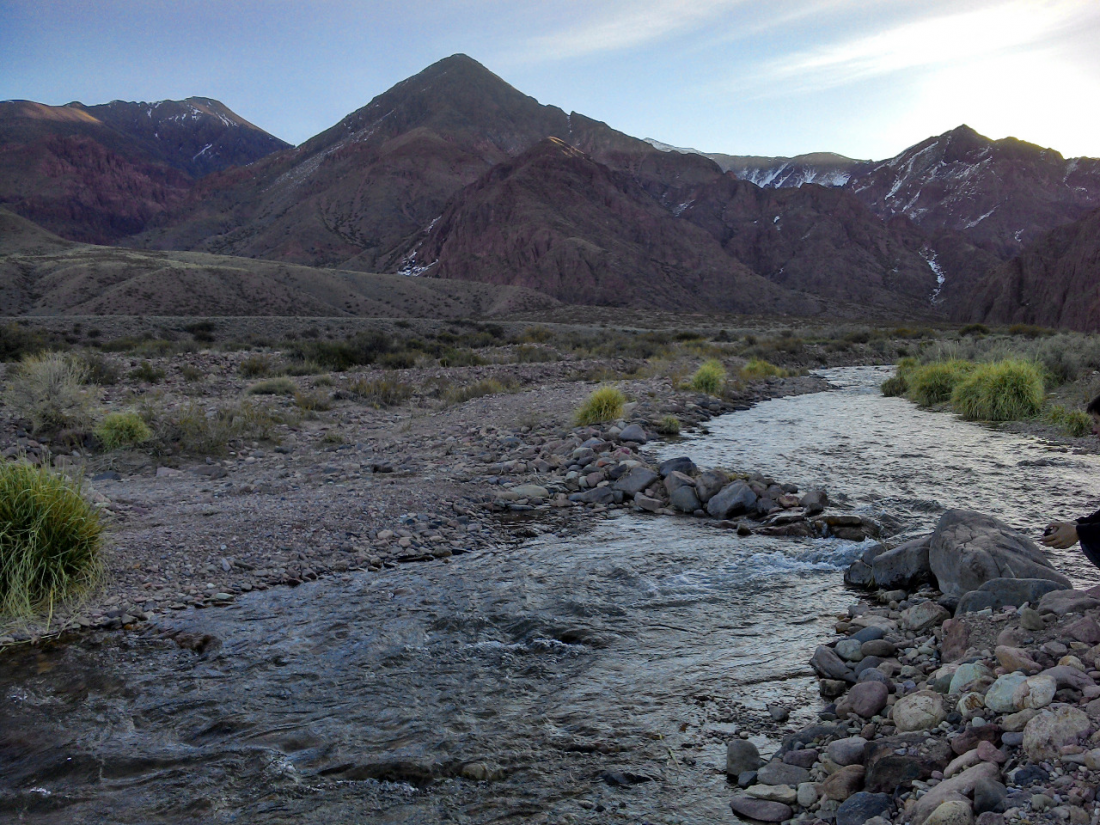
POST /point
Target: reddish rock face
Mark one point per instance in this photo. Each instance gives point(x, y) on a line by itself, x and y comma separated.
point(999, 194)
point(1052, 283)
point(102, 173)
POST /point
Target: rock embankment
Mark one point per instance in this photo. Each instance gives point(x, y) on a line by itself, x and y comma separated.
point(962, 694)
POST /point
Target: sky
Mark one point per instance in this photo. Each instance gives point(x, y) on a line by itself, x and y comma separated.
point(864, 78)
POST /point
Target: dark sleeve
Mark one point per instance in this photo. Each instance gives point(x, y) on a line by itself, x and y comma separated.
point(1088, 533)
point(1093, 519)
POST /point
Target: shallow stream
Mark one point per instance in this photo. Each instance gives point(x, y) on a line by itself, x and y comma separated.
point(587, 679)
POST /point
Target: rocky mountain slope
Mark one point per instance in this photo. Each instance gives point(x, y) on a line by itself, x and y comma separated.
point(353, 195)
point(43, 274)
point(1000, 194)
point(101, 173)
point(822, 168)
point(555, 220)
point(1055, 282)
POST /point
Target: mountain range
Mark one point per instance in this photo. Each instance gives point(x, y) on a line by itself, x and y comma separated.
point(455, 175)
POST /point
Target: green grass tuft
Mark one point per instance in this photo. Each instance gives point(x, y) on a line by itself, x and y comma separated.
point(709, 378)
point(380, 392)
point(758, 369)
point(49, 540)
point(1073, 423)
point(1002, 391)
point(933, 383)
point(274, 386)
point(669, 425)
point(122, 429)
point(605, 404)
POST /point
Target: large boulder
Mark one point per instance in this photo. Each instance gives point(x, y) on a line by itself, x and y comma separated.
point(904, 566)
point(760, 810)
point(998, 593)
point(683, 464)
point(918, 711)
point(684, 499)
point(968, 549)
point(1061, 602)
point(733, 500)
point(741, 756)
point(957, 788)
point(1045, 734)
point(894, 762)
point(709, 484)
point(638, 479)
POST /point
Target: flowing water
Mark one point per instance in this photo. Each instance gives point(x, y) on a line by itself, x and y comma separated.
point(590, 678)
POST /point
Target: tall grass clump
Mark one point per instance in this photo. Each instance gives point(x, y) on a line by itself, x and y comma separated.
point(758, 368)
point(933, 383)
point(709, 378)
point(190, 428)
point(49, 539)
point(49, 390)
point(668, 425)
point(1074, 423)
point(273, 386)
point(1002, 391)
point(122, 429)
point(380, 392)
point(605, 404)
point(898, 384)
point(485, 386)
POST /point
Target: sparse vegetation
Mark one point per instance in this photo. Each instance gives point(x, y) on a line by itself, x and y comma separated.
point(256, 366)
point(313, 400)
point(122, 429)
point(668, 425)
point(757, 369)
point(274, 386)
point(709, 378)
point(1003, 391)
point(380, 392)
point(50, 541)
point(605, 404)
point(49, 390)
point(486, 386)
point(192, 429)
point(146, 373)
point(1075, 423)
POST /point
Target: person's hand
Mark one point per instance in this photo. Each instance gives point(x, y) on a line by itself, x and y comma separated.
point(1062, 534)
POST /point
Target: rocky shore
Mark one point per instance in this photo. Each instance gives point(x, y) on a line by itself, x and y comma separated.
point(964, 689)
point(357, 489)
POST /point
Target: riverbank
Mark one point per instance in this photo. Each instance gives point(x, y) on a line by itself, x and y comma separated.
point(349, 488)
point(992, 716)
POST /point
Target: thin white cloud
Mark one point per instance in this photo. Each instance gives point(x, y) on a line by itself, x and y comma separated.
point(613, 26)
point(942, 40)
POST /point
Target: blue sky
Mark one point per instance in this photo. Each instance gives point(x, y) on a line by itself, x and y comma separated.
point(860, 77)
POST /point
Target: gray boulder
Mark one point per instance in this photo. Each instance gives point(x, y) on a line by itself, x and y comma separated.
point(829, 665)
point(632, 432)
point(904, 566)
point(597, 495)
point(741, 756)
point(635, 481)
point(684, 499)
point(815, 501)
point(998, 593)
point(1061, 602)
point(969, 548)
point(861, 806)
point(677, 479)
point(709, 484)
point(859, 574)
point(778, 772)
point(733, 500)
point(683, 464)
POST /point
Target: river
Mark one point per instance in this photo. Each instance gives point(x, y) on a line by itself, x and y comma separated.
point(590, 678)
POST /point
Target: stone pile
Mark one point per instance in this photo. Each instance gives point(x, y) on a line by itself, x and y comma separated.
point(987, 716)
point(607, 469)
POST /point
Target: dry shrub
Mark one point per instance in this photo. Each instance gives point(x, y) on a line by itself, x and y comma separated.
point(49, 390)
